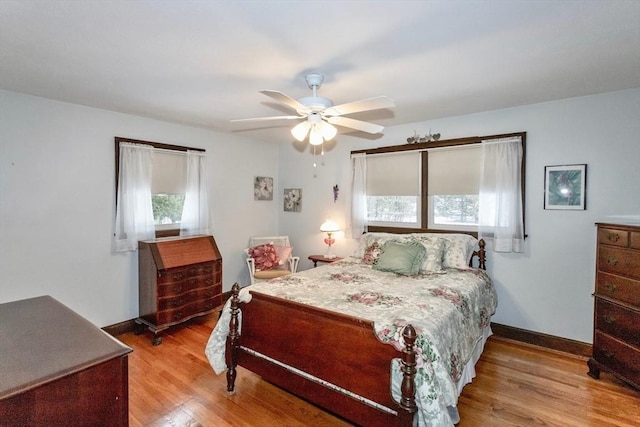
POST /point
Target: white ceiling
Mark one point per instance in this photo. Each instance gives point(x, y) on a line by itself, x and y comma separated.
point(203, 62)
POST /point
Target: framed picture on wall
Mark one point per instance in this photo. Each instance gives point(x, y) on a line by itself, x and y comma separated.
point(263, 188)
point(565, 187)
point(292, 200)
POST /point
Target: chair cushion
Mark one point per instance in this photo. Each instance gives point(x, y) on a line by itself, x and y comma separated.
point(271, 274)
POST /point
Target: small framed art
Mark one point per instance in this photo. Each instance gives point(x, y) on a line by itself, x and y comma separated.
point(292, 200)
point(565, 187)
point(263, 188)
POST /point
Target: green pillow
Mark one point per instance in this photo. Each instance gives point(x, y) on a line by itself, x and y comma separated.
point(401, 258)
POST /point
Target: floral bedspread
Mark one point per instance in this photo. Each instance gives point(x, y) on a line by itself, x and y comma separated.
point(448, 312)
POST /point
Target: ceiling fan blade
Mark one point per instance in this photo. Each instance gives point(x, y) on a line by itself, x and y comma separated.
point(355, 124)
point(288, 101)
point(358, 106)
point(264, 119)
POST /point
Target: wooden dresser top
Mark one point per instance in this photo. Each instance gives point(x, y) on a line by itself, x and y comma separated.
point(42, 340)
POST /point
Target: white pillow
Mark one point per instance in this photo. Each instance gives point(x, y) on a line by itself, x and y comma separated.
point(458, 251)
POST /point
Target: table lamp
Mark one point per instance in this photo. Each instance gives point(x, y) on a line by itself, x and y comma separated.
point(329, 227)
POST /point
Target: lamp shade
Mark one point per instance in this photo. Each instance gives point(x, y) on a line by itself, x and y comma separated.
point(329, 227)
point(315, 137)
point(328, 131)
point(300, 130)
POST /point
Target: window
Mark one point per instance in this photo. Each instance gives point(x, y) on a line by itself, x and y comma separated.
point(168, 188)
point(448, 176)
point(453, 186)
point(168, 183)
point(393, 190)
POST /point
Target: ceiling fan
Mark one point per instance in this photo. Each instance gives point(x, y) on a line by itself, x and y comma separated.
point(320, 114)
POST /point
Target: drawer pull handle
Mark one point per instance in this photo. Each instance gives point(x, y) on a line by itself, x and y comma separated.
point(177, 276)
point(613, 237)
point(608, 319)
point(611, 286)
point(612, 261)
point(608, 354)
point(177, 288)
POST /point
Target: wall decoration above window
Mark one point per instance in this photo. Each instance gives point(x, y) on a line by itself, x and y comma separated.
point(263, 188)
point(565, 187)
point(293, 200)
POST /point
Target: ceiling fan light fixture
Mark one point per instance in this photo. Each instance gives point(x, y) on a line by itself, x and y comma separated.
point(328, 131)
point(300, 130)
point(315, 136)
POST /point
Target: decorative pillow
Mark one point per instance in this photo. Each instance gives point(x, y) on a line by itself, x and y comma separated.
point(435, 247)
point(458, 250)
point(371, 254)
point(366, 240)
point(401, 258)
point(264, 256)
point(284, 253)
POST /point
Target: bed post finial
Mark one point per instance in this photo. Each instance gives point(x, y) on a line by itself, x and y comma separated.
point(233, 342)
point(482, 254)
point(408, 387)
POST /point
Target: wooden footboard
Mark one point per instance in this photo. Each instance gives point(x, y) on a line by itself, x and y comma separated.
point(332, 348)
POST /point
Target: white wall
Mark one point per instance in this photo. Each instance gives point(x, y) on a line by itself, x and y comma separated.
point(548, 288)
point(57, 202)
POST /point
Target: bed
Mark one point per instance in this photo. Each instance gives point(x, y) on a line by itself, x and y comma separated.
point(380, 338)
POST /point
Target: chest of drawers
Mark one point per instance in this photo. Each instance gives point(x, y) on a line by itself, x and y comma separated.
point(58, 369)
point(616, 338)
point(179, 279)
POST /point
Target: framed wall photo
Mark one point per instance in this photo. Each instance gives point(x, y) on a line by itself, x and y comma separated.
point(565, 187)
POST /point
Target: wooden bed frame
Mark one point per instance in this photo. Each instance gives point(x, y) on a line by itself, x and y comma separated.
point(350, 357)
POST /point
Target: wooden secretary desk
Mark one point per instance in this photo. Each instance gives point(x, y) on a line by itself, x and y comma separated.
point(179, 278)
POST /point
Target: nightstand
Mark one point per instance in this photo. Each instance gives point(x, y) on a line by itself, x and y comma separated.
point(321, 258)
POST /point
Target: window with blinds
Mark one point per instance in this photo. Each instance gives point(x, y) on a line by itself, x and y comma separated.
point(393, 189)
point(453, 187)
point(168, 187)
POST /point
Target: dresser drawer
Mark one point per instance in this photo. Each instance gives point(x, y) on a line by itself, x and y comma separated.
point(634, 239)
point(619, 261)
point(178, 314)
point(620, 288)
point(172, 275)
point(209, 292)
point(618, 356)
point(178, 301)
point(612, 236)
point(618, 321)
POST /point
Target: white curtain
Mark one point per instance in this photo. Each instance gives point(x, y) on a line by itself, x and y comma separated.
point(501, 222)
point(196, 215)
point(358, 197)
point(134, 213)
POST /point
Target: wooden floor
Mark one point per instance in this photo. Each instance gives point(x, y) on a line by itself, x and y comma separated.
point(516, 385)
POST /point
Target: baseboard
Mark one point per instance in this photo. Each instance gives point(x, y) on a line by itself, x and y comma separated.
point(552, 342)
point(120, 328)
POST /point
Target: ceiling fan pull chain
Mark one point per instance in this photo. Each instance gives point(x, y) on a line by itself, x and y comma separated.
point(314, 157)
